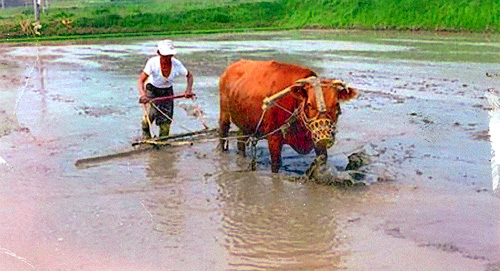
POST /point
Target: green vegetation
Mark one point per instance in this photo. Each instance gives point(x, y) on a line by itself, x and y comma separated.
point(448, 15)
point(132, 17)
point(65, 19)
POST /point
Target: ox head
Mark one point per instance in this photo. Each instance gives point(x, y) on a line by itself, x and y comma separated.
point(321, 107)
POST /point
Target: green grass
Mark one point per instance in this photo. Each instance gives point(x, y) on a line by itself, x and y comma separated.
point(449, 15)
point(136, 17)
point(97, 17)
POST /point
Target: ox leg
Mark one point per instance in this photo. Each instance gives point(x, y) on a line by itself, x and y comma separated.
point(224, 124)
point(275, 146)
point(242, 141)
point(321, 152)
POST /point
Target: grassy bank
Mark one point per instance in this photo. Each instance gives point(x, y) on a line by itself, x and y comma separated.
point(449, 15)
point(138, 16)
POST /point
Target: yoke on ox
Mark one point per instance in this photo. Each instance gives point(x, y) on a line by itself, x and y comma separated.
point(284, 103)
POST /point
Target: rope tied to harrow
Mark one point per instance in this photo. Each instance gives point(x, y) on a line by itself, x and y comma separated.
point(171, 120)
point(253, 140)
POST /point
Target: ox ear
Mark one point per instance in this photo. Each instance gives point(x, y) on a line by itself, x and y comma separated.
point(346, 94)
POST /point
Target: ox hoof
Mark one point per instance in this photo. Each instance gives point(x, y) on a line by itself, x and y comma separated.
point(242, 153)
point(252, 166)
point(223, 147)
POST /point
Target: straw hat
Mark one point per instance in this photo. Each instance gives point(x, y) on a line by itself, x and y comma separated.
point(166, 47)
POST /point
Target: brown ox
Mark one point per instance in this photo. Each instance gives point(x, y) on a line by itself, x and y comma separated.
point(285, 90)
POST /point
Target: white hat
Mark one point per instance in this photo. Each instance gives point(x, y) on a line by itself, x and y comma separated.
point(166, 47)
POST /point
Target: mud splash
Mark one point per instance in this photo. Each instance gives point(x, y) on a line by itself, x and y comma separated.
point(361, 169)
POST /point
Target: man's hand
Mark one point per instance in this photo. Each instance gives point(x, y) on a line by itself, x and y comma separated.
point(144, 99)
point(189, 95)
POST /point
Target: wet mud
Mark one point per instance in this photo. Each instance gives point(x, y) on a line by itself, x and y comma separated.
point(412, 158)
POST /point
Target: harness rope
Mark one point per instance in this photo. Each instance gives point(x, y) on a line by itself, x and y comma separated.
point(285, 125)
point(253, 140)
point(182, 126)
point(169, 118)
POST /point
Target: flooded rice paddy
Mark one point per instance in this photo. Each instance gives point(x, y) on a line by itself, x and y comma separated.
point(422, 117)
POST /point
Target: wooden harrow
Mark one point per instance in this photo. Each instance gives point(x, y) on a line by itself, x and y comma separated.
point(140, 146)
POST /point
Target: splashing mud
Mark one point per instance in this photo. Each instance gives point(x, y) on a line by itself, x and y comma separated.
point(361, 169)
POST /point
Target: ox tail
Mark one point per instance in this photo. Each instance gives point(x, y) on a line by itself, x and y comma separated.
point(224, 115)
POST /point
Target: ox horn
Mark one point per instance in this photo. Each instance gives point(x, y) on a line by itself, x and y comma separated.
point(269, 101)
point(318, 92)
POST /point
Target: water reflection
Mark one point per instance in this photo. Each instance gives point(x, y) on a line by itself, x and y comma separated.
point(271, 224)
point(167, 200)
point(42, 73)
point(184, 211)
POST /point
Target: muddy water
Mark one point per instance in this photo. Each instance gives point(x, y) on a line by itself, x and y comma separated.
point(422, 116)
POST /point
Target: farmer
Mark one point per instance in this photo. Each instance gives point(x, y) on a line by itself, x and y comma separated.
point(156, 81)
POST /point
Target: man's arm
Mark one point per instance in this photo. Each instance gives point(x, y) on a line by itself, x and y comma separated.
point(142, 94)
point(189, 83)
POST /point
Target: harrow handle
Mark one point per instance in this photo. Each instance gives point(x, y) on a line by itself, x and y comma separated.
point(168, 98)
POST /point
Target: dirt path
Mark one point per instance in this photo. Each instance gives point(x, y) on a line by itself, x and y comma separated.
point(422, 117)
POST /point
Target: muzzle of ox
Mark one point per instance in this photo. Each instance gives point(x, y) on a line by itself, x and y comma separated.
point(323, 132)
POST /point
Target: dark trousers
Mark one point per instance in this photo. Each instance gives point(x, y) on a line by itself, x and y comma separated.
point(166, 107)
